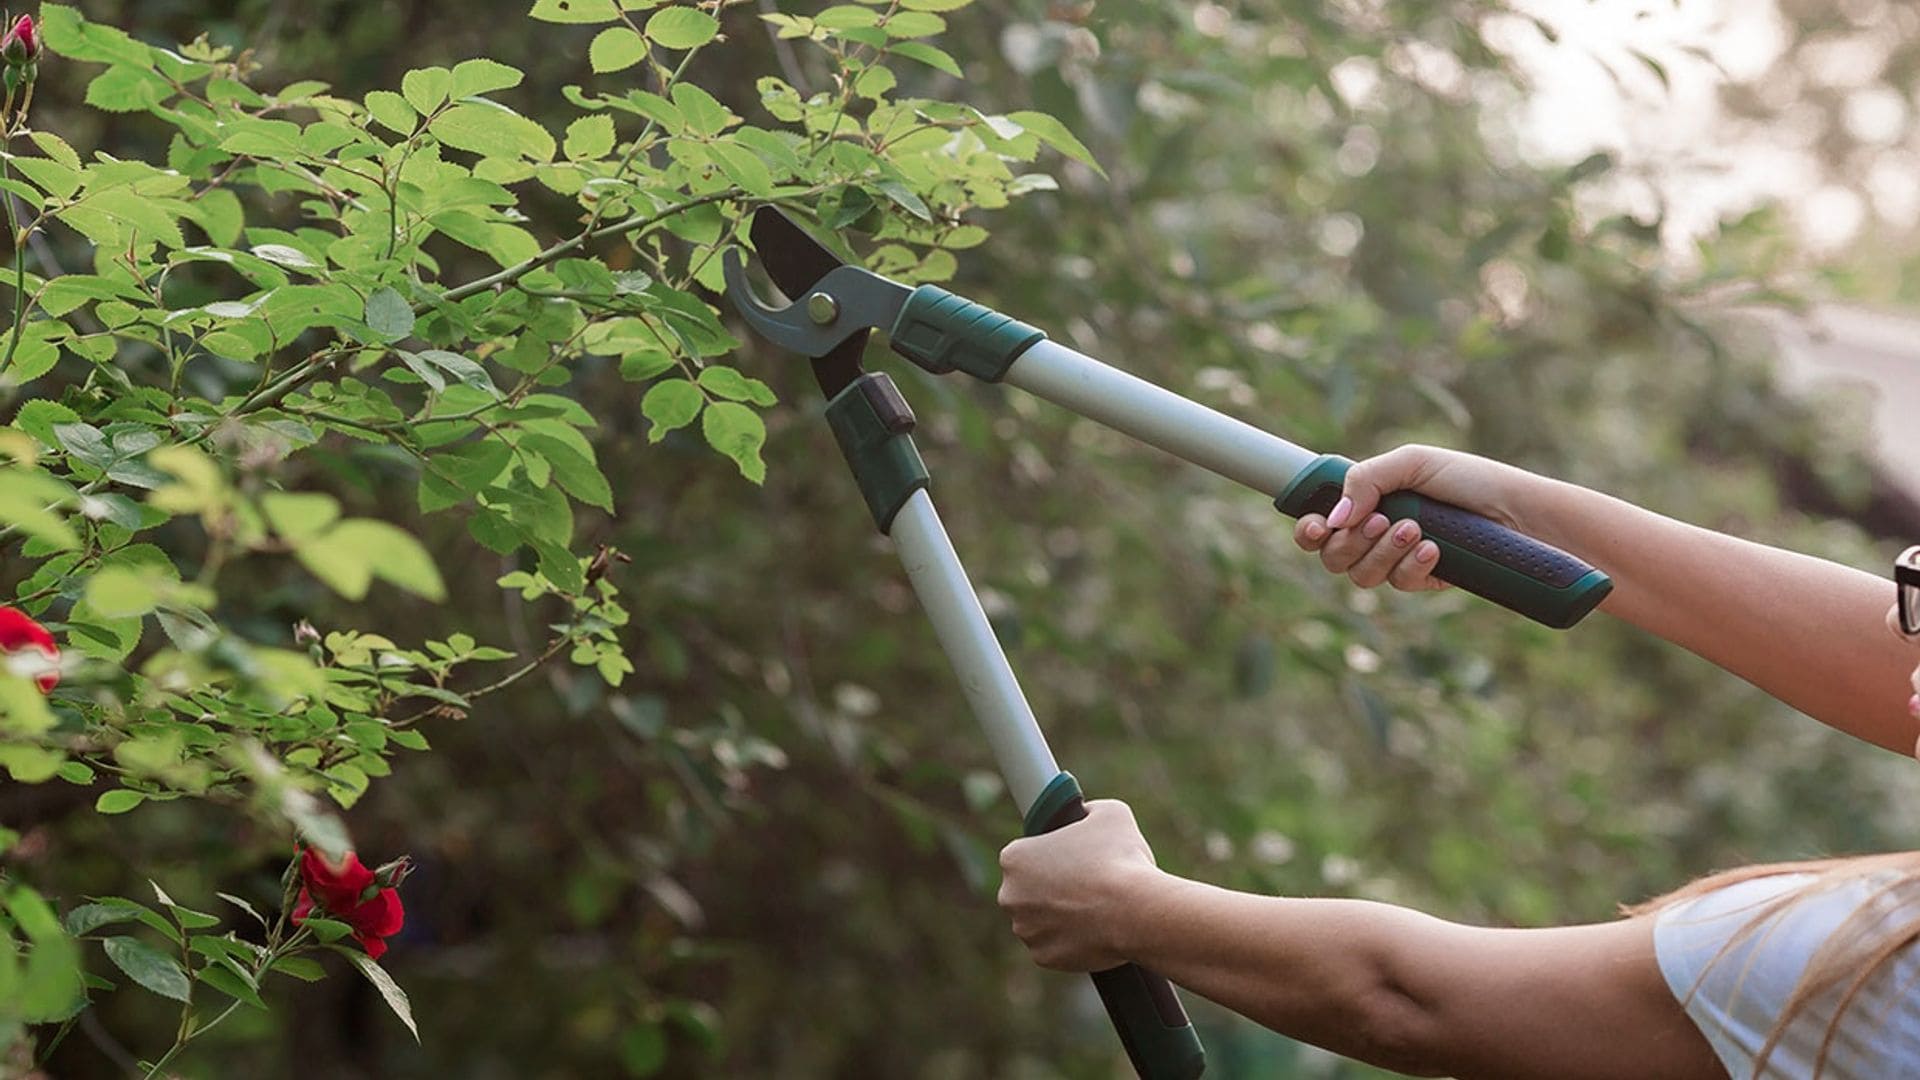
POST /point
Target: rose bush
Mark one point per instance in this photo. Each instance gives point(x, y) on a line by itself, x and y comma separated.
point(306, 305)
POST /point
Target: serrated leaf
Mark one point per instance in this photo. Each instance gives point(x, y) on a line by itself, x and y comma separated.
point(493, 131)
point(722, 381)
point(483, 76)
point(580, 477)
point(392, 111)
point(388, 314)
point(681, 28)
point(575, 11)
point(670, 404)
point(224, 980)
point(390, 991)
point(149, 967)
point(589, 137)
point(615, 49)
point(738, 432)
point(426, 88)
point(1055, 134)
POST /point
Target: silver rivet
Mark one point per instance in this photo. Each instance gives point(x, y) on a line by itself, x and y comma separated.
point(822, 308)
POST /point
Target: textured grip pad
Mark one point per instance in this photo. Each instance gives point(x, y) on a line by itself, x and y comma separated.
point(943, 332)
point(1477, 554)
point(1494, 542)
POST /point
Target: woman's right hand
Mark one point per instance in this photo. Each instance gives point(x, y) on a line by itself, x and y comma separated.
point(1371, 550)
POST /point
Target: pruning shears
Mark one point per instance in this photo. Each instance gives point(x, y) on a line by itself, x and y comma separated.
point(835, 308)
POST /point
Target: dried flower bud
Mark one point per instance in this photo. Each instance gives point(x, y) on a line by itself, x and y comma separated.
point(305, 634)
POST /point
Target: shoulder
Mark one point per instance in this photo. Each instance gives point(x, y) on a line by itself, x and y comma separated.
point(1735, 956)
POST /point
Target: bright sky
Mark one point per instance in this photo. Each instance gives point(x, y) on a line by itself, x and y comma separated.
point(1675, 142)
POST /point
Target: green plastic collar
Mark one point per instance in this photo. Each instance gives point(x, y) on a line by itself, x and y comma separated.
point(873, 426)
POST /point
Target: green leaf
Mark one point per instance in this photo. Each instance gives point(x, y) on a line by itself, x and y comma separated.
point(149, 967)
point(722, 381)
point(589, 137)
point(119, 591)
point(224, 980)
point(579, 476)
point(391, 110)
point(703, 113)
point(670, 404)
point(426, 88)
point(737, 432)
point(299, 967)
point(296, 516)
point(356, 551)
point(681, 28)
point(743, 167)
point(290, 257)
point(483, 76)
point(575, 11)
point(616, 48)
point(1055, 134)
point(389, 314)
point(390, 991)
point(911, 24)
point(90, 917)
point(327, 930)
point(491, 130)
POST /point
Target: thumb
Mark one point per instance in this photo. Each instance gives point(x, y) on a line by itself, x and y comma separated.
point(1369, 481)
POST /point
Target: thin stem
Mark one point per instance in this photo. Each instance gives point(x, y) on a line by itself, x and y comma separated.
point(19, 263)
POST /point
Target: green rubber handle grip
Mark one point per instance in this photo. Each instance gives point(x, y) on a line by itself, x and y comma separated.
point(942, 332)
point(1145, 1010)
point(1477, 554)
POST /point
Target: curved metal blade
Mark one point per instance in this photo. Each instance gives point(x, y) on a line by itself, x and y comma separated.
point(793, 258)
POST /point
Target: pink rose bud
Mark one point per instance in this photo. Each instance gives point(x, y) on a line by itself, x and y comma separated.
point(22, 42)
point(390, 875)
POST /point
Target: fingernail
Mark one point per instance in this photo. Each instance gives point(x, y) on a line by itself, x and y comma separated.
point(1404, 534)
point(1427, 552)
point(1314, 531)
point(1913, 706)
point(1340, 511)
point(1375, 526)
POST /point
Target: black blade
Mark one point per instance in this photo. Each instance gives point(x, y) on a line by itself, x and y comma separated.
point(795, 261)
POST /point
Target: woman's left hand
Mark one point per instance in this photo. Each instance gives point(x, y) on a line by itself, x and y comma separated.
point(1069, 890)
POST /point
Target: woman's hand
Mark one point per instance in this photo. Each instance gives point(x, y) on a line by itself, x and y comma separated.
point(1068, 890)
point(1371, 550)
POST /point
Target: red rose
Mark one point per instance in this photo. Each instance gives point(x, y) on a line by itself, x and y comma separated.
point(349, 893)
point(18, 633)
point(21, 45)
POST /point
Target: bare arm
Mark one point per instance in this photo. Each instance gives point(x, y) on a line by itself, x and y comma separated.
point(1375, 982)
point(1806, 630)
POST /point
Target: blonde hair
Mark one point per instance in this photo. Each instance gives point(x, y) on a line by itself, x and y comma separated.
point(1857, 950)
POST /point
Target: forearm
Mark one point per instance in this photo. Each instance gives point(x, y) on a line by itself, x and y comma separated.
point(1806, 630)
point(1318, 970)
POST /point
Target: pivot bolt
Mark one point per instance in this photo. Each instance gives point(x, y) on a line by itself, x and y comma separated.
point(822, 308)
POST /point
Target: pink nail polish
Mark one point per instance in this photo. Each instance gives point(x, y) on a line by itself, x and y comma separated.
point(1340, 511)
point(1913, 706)
point(1375, 527)
point(1427, 553)
point(1314, 531)
point(1404, 534)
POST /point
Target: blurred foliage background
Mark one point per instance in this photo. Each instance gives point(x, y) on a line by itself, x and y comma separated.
point(771, 853)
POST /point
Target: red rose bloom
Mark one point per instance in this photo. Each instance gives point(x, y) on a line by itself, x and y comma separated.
point(21, 43)
point(349, 893)
point(18, 633)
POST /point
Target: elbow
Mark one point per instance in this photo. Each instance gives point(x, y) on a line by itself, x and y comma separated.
point(1391, 1029)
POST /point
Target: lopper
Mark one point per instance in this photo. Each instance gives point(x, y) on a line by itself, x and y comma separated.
point(837, 306)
